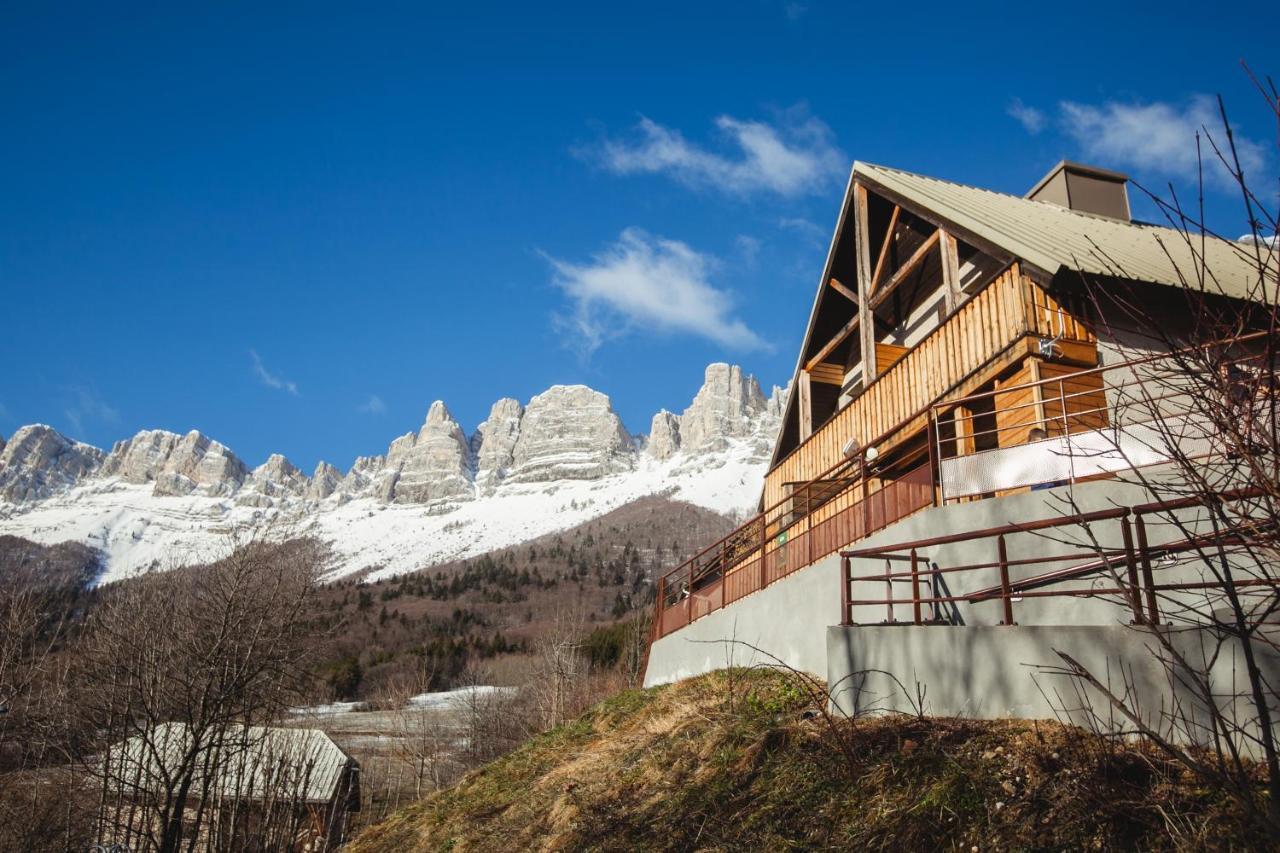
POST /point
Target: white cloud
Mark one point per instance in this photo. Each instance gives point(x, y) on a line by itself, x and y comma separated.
point(646, 282)
point(1031, 119)
point(372, 406)
point(1157, 137)
point(86, 407)
point(793, 157)
point(270, 379)
point(748, 249)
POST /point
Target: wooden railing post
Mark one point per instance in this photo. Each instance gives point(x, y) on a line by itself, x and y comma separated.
point(688, 600)
point(662, 603)
point(1006, 593)
point(808, 524)
point(915, 586)
point(764, 547)
point(846, 618)
point(1148, 581)
point(1135, 592)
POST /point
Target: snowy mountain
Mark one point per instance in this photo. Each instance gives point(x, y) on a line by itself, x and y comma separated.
point(160, 499)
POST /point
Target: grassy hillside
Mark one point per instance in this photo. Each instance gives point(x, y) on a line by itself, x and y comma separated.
point(720, 764)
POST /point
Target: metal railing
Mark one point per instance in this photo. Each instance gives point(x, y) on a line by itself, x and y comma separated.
point(1131, 568)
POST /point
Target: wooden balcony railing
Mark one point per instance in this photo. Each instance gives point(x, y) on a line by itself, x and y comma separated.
point(1003, 313)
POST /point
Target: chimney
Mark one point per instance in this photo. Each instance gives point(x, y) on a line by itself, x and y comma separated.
point(1087, 189)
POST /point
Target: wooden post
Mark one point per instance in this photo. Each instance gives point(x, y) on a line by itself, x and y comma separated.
point(688, 598)
point(950, 270)
point(867, 325)
point(935, 465)
point(1148, 581)
point(845, 575)
point(808, 523)
point(1006, 593)
point(806, 404)
point(764, 547)
point(1135, 593)
point(662, 603)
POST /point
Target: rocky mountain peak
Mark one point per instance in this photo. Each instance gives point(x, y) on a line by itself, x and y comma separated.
point(140, 459)
point(664, 435)
point(324, 481)
point(437, 467)
point(494, 442)
point(570, 432)
point(198, 464)
point(38, 461)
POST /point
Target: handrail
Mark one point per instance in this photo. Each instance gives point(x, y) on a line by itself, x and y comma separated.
point(1132, 557)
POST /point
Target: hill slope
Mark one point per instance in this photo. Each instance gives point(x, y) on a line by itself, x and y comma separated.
point(682, 767)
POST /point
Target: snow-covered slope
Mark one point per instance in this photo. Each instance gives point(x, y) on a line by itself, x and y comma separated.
point(434, 496)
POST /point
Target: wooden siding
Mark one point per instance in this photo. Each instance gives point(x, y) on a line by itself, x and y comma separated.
point(1010, 307)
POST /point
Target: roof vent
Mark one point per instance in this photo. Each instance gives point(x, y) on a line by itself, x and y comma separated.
point(1087, 189)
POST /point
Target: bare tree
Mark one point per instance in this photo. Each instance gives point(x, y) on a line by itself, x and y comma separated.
point(217, 649)
point(1206, 406)
point(558, 682)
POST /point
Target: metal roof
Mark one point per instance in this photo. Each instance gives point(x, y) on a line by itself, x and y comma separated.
point(248, 763)
point(1051, 237)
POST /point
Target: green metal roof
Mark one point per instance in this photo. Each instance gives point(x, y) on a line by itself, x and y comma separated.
point(1051, 237)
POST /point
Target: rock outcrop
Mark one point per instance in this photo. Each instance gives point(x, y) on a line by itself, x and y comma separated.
point(664, 436)
point(324, 482)
point(727, 406)
point(273, 482)
point(198, 464)
point(494, 443)
point(436, 466)
point(141, 459)
point(570, 432)
point(38, 461)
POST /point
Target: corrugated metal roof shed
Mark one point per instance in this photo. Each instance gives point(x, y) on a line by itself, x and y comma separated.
point(1053, 237)
point(251, 763)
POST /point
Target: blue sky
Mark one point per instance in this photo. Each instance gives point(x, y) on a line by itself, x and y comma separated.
point(294, 226)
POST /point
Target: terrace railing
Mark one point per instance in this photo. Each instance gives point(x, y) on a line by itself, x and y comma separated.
point(1093, 423)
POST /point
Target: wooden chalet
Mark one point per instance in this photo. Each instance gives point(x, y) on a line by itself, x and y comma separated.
point(952, 327)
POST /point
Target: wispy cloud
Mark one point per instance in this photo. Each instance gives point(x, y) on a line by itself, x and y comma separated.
point(748, 249)
point(806, 229)
point(1032, 120)
point(1158, 138)
point(85, 406)
point(792, 156)
point(794, 11)
point(372, 406)
point(650, 283)
point(270, 379)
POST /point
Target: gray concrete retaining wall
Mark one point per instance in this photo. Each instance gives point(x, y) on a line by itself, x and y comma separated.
point(787, 619)
point(990, 672)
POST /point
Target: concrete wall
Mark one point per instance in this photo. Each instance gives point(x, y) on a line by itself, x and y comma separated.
point(993, 672)
point(788, 619)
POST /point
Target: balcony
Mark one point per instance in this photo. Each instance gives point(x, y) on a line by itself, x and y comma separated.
point(818, 501)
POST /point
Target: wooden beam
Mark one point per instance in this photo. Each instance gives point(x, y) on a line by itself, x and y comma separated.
point(863, 239)
point(884, 249)
point(844, 332)
point(950, 269)
point(806, 406)
point(906, 269)
point(844, 291)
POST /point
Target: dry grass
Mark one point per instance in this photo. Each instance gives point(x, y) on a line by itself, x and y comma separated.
point(681, 768)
